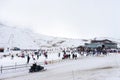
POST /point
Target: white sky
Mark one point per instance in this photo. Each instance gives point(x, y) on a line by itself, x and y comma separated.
point(64, 18)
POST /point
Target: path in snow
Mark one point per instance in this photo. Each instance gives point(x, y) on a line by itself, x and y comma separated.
point(89, 68)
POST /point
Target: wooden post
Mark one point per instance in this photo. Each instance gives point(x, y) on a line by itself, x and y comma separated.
point(1, 69)
point(73, 75)
point(15, 65)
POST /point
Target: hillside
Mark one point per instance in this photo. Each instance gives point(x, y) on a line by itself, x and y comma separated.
point(27, 39)
point(15, 37)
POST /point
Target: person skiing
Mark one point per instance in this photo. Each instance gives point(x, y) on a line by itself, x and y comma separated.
point(28, 59)
point(58, 54)
point(12, 56)
point(38, 56)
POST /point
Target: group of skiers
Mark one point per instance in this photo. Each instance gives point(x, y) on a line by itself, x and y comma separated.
point(36, 54)
point(66, 54)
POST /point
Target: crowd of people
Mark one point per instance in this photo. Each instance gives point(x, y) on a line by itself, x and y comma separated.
point(68, 53)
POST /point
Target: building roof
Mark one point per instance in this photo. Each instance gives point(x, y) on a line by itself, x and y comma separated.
point(102, 41)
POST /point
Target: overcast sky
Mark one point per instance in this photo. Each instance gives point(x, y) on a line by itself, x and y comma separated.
point(64, 18)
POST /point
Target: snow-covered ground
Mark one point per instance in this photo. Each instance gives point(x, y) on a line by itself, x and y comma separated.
point(84, 68)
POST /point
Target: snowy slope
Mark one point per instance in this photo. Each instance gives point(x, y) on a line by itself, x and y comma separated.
point(15, 37)
point(26, 39)
point(49, 41)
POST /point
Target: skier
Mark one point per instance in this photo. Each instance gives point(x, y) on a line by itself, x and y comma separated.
point(28, 59)
point(37, 56)
point(12, 56)
point(58, 54)
point(73, 56)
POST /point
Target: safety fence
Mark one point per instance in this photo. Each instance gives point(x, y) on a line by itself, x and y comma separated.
point(12, 67)
point(18, 66)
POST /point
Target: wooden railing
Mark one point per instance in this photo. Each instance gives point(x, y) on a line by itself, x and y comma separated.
point(17, 66)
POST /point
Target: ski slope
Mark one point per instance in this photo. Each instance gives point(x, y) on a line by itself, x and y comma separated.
point(16, 37)
point(26, 39)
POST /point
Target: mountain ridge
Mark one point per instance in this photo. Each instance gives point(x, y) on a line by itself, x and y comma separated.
point(27, 39)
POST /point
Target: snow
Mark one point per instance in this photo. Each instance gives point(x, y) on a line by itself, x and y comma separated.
point(84, 68)
point(27, 39)
point(15, 37)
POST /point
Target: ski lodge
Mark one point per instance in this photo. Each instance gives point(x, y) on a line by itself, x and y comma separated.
point(99, 43)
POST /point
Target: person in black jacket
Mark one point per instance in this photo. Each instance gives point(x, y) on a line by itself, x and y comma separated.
point(28, 59)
